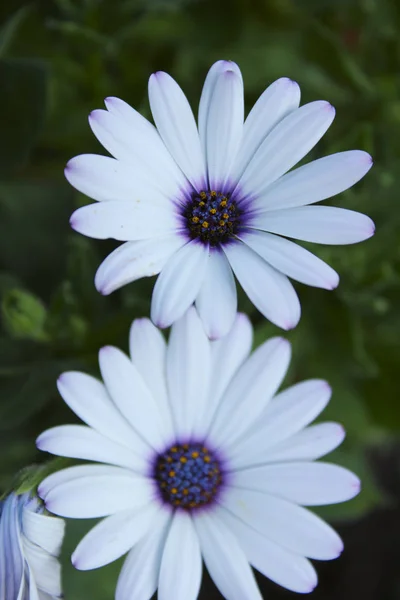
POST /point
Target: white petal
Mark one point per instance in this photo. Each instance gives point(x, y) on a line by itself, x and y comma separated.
point(113, 537)
point(136, 142)
point(148, 351)
point(308, 444)
point(213, 75)
point(292, 260)
point(44, 531)
point(231, 351)
point(96, 494)
point(316, 181)
point(287, 143)
point(148, 143)
point(178, 284)
point(285, 415)
point(188, 373)
point(270, 291)
point(139, 575)
point(217, 299)
point(307, 483)
point(103, 178)
point(133, 260)
point(89, 399)
point(72, 473)
point(11, 555)
point(78, 441)
point(46, 569)
point(124, 221)
point(253, 386)
point(106, 179)
point(181, 565)
point(319, 224)
point(225, 560)
point(132, 396)
point(287, 524)
point(224, 126)
point(175, 122)
point(285, 568)
point(277, 101)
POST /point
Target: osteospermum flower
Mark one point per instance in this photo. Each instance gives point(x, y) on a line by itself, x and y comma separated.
point(30, 542)
point(195, 204)
point(202, 460)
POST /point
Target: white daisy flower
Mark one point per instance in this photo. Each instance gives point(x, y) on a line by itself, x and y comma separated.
point(30, 543)
point(197, 204)
point(202, 460)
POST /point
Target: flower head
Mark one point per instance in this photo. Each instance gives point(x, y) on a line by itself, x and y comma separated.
point(30, 542)
point(199, 204)
point(199, 459)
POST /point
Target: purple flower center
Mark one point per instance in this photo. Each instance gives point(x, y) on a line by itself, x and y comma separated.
point(212, 216)
point(188, 475)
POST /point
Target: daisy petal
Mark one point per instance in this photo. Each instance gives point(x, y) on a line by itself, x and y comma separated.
point(132, 396)
point(135, 142)
point(316, 181)
point(95, 493)
point(176, 124)
point(285, 415)
point(90, 401)
point(213, 75)
point(188, 342)
point(225, 560)
point(291, 259)
point(308, 444)
point(319, 224)
point(287, 524)
point(106, 179)
point(277, 101)
point(124, 221)
point(286, 145)
point(45, 569)
point(217, 310)
point(78, 441)
point(178, 284)
point(113, 537)
point(307, 483)
point(148, 351)
point(270, 291)
point(46, 533)
point(224, 126)
point(139, 575)
point(183, 576)
point(254, 384)
point(133, 260)
point(231, 351)
point(285, 568)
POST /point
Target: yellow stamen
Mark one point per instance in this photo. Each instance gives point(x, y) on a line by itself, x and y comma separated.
point(205, 224)
point(195, 219)
point(213, 211)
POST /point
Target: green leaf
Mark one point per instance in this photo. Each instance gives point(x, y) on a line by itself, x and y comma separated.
point(23, 84)
point(24, 315)
point(10, 28)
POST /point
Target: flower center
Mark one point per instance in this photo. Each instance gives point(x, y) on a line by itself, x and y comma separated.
point(212, 217)
point(188, 475)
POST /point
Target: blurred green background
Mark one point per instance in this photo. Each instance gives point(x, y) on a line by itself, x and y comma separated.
point(58, 61)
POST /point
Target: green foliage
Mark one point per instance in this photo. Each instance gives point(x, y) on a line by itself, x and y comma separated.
point(58, 61)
